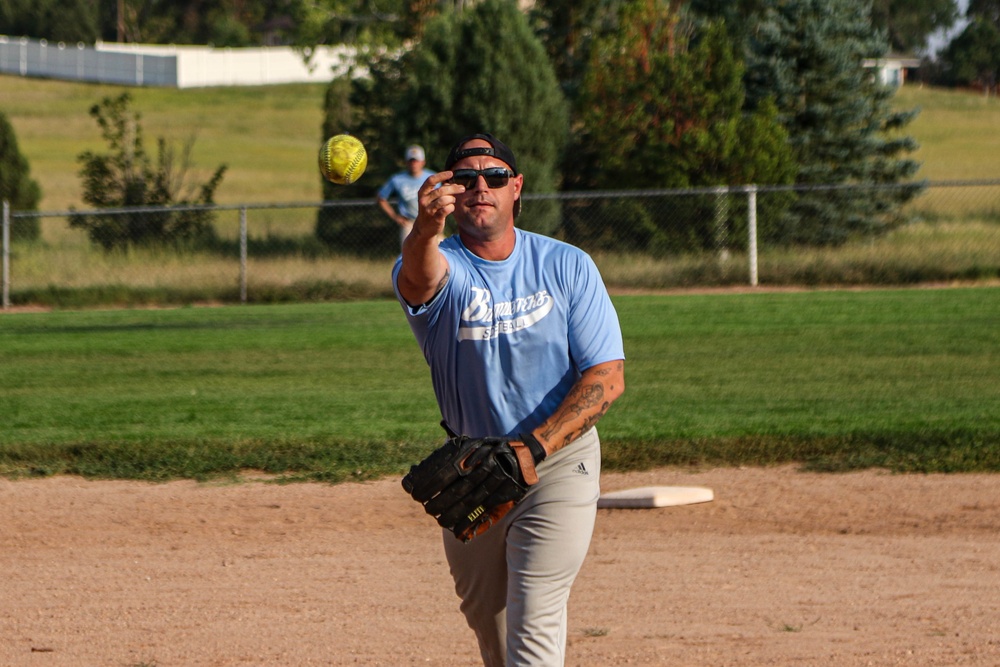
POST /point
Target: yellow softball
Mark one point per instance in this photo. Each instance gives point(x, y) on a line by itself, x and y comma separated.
point(342, 159)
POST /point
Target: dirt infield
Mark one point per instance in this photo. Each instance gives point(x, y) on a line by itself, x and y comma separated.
point(783, 568)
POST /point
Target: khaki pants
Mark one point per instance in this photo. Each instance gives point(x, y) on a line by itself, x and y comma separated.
point(514, 580)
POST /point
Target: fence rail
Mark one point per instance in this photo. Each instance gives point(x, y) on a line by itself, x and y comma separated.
point(741, 235)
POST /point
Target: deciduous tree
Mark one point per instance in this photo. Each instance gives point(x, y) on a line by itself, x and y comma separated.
point(908, 24)
point(973, 57)
point(662, 106)
point(68, 21)
point(567, 30)
point(988, 10)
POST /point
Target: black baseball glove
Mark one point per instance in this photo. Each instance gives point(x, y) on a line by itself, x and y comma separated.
point(468, 484)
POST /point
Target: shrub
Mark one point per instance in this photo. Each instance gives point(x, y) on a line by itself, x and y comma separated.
point(16, 185)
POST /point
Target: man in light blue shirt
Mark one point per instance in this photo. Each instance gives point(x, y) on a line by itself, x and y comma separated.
point(404, 186)
point(521, 337)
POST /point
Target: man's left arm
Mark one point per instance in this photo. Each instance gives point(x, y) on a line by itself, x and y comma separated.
point(587, 401)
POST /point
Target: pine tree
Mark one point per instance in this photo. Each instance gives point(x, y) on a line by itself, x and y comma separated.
point(809, 56)
point(16, 185)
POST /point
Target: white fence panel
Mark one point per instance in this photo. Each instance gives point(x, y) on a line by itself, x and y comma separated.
point(171, 66)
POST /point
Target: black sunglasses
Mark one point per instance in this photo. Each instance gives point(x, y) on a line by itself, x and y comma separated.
point(496, 177)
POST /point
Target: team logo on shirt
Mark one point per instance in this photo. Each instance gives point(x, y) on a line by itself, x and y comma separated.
point(483, 320)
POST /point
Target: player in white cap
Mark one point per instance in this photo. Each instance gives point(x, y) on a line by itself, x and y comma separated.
point(404, 185)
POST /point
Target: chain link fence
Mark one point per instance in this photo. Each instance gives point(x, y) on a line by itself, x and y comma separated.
point(653, 239)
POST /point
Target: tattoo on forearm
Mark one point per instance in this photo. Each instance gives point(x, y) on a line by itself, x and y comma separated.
point(584, 406)
point(589, 397)
point(579, 402)
point(587, 425)
point(582, 399)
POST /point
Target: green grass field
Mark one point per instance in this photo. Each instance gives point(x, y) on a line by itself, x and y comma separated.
point(903, 379)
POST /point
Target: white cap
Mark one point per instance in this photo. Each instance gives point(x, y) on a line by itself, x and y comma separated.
point(415, 153)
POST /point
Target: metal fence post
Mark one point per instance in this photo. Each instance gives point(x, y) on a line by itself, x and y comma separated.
point(243, 254)
point(721, 204)
point(752, 232)
point(6, 254)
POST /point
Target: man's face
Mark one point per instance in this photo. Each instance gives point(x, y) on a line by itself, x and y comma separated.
point(415, 166)
point(482, 212)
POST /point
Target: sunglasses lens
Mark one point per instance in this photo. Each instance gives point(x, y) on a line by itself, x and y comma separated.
point(496, 177)
point(465, 177)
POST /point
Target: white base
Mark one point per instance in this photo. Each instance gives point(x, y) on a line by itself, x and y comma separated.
point(655, 496)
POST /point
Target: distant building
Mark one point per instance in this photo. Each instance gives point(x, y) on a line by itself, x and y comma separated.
point(174, 66)
point(892, 69)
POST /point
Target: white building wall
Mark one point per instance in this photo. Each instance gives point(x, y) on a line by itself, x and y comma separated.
point(171, 66)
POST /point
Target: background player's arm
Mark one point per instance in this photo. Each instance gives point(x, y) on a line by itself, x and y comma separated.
point(425, 270)
point(388, 209)
point(587, 401)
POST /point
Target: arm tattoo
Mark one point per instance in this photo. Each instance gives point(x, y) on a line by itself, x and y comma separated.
point(582, 400)
point(587, 425)
point(443, 281)
point(440, 285)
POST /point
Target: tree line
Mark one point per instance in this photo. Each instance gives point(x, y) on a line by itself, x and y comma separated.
point(649, 94)
point(972, 56)
point(628, 94)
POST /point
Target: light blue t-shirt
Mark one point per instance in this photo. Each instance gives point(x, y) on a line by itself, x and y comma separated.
point(505, 341)
point(405, 186)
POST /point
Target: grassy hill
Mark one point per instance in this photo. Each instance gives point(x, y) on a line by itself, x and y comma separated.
point(957, 132)
point(269, 135)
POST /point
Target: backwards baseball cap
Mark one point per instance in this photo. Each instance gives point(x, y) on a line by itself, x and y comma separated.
point(497, 149)
point(415, 153)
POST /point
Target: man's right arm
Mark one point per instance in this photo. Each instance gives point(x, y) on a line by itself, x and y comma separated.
point(424, 271)
point(388, 209)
